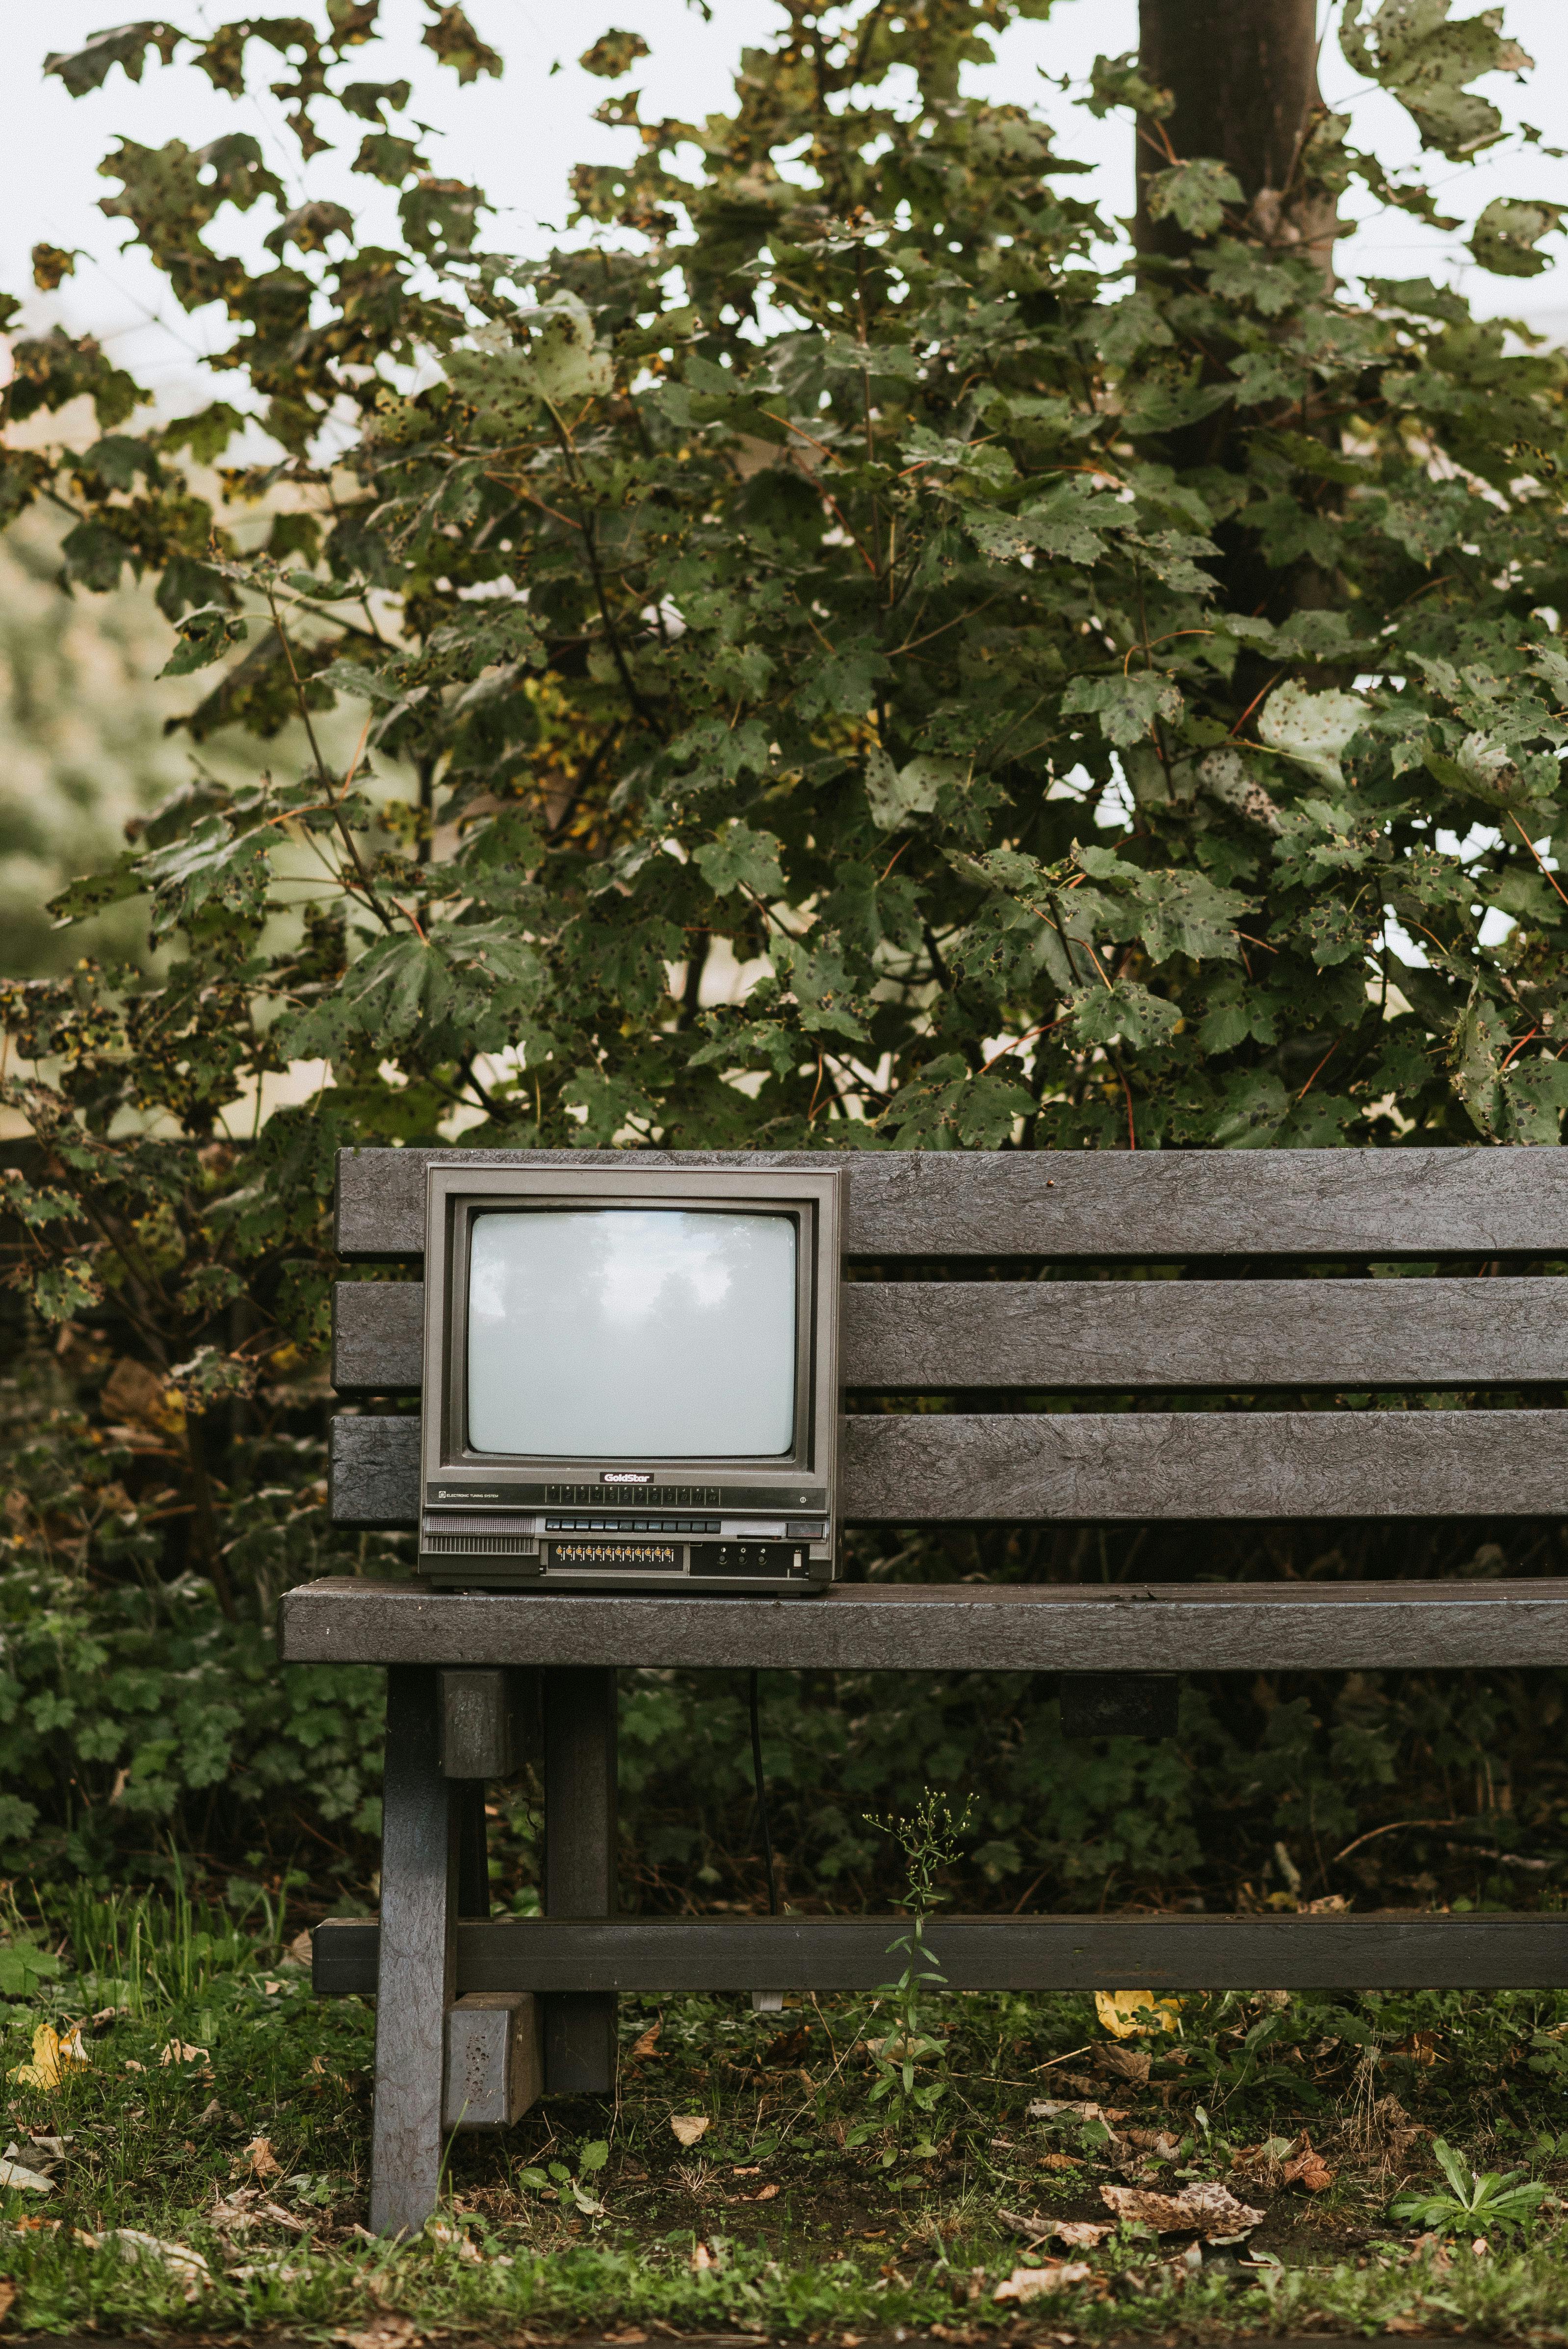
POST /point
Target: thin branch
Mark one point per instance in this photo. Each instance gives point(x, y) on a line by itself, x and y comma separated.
point(1536, 853)
point(628, 684)
point(1320, 1068)
point(350, 843)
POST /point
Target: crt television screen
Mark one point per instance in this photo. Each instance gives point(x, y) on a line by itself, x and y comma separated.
point(631, 1333)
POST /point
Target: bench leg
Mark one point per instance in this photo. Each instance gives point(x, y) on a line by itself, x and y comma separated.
point(580, 1866)
point(472, 1852)
point(416, 1980)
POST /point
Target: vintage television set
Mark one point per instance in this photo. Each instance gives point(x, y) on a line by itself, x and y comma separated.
point(630, 1378)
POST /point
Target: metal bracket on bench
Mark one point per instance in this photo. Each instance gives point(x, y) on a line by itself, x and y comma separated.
point(494, 2059)
point(1120, 1704)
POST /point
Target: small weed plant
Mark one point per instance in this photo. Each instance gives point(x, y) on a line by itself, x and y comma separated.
point(1477, 2202)
point(929, 1837)
point(575, 2190)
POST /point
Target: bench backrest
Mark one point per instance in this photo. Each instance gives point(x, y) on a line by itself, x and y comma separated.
point(1224, 1224)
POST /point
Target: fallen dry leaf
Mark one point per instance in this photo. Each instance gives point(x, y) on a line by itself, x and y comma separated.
point(1157, 2141)
point(1308, 2168)
point(1059, 2161)
point(1032, 2283)
point(131, 2065)
point(1200, 2209)
point(177, 2052)
point(13, 2176)
point(385, 2332)
point(188, 2267)
point(764, 2194)
point(301, 1950)
point(274, 2270)
point(1421, 2047)
point(1127, 2063)
point(264, 2162)
point(791, 2045)
point(687, 2128)
point(1078, 2234)
point(7, 2297)
point(281, 2218)
point(1127, 2013)
point(1046, 2108)
point(234, 2212)
point(454, 2239)
point(702, 2258)
point(648, 2042)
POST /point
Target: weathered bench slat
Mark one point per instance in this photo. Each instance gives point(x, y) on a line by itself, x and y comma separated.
point(1146, 1206)
point(963, 1626)
point(850, 1953)
point(922, 1336)
point(1132, 1466)
point(1113, 1467)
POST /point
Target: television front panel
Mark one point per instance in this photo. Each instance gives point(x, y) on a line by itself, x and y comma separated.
point(630, 1378)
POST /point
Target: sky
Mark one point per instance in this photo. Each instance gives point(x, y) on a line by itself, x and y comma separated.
point(519, 138)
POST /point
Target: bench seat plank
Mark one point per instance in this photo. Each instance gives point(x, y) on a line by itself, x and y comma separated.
point(1144, 1205)
point(930, 1627)
point(1113, 1467)
point(661, 1954)
point(920, 1336)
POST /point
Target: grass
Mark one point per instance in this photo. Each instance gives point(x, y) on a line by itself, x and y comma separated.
point(221, 2110)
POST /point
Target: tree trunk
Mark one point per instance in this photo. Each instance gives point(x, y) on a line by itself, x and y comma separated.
point(1243, 73)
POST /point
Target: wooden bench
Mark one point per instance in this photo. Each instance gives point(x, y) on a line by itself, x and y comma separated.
point(456, 1991)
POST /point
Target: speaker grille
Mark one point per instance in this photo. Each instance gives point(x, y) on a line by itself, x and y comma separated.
point(479, 1545)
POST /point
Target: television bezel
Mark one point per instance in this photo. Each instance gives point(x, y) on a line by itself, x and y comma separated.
point(455, 1195)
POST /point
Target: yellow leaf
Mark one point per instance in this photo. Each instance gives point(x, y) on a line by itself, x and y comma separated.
point(51, 2056)
point(687, 2128)
point(44, 2070)
point(1126, 2012)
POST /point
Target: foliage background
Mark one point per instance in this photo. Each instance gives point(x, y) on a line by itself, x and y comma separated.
point(830, 663)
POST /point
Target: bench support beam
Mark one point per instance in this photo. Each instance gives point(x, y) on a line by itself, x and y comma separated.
point(416, 1971)
point(581, 1825)
point(656, 1955)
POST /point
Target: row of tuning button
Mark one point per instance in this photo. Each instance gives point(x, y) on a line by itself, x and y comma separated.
point(632, 1525)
